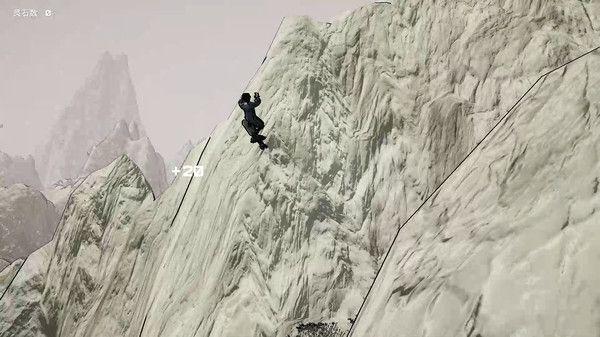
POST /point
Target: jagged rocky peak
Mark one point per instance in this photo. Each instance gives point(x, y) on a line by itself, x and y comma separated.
point(125, 139)
point(125, 130)
point(134, 131)
point(107, 97)
point(121, 130)
point(365, 117)
point(112, 78)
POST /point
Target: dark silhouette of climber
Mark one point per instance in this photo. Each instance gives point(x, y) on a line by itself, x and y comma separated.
point(251, 122)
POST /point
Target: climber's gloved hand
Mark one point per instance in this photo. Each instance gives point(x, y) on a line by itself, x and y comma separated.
point(256, 95)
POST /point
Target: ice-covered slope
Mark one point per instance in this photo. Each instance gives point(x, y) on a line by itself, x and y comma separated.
point(106, 98)
point(510, 246)
point(27, 221)
point(365, 117)
point(15, 170)
point(126, 139)
point(66, 281)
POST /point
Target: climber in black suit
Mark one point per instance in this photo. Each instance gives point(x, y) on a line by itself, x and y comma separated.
point(252, 123)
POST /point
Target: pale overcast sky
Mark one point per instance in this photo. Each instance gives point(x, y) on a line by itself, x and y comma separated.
point(189, 60)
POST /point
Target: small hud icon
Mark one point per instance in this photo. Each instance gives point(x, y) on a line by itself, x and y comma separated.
point(32, 13)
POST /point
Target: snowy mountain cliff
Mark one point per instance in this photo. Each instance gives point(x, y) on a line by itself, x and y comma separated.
point(366, 117)
point(126, 139)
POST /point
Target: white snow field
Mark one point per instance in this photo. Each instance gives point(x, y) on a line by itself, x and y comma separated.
point(365, 117)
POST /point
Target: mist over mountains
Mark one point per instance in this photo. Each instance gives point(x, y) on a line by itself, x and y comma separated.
point(462, 138)
point(100, 124)
point(106, 99)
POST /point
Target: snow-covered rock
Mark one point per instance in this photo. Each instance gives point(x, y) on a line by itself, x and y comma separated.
point(59, 195)
point(126, 139)
point(61, 284)
point(106, 99)
point(510, 245)
point(3, 264)
point(365, 117)
point(7, 273)
point(22, 314)
point(27, 221)
point(15, 170)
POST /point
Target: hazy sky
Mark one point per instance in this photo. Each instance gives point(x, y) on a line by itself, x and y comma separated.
point(189, 60)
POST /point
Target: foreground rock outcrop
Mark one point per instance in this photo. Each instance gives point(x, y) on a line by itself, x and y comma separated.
point(60, 285)
point(366, 116)
point(8, 271)
point(27, 221)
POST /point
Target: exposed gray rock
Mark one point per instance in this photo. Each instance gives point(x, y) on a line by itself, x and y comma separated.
point(27, 221)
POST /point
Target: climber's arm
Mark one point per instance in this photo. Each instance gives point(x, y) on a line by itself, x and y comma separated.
point(256, 100)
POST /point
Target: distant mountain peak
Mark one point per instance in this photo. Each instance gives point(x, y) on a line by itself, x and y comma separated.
point(106, 98)
point(17, 169)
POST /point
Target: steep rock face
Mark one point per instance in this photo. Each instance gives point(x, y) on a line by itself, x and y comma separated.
point(3, 264)
point(27, 221)
point(264, 241)
point(18, 170)
point(126, 139)
point(510, 246)
point(20, 303)
point(106, 98)
point(8, 272)
point(61, 284)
